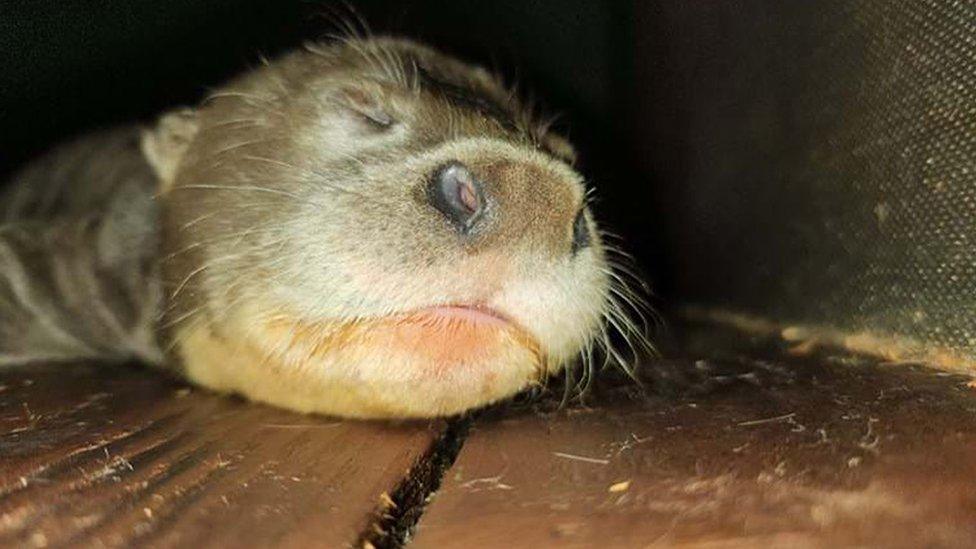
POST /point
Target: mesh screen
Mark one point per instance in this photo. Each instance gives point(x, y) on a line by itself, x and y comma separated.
point(824, 166)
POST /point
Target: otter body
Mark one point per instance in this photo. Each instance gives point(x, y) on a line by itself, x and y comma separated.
point(79, 244)
point(367, 228)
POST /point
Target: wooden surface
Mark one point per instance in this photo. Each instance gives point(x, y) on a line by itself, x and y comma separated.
point(122, 456)
point(790, 453)
point(730, 450)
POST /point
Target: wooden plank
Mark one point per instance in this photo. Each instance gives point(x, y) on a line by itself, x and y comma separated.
point(121, 456)
point(792, 452)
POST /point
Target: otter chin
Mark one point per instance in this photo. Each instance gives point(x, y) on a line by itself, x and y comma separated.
point(432, 362)
point(370, 228)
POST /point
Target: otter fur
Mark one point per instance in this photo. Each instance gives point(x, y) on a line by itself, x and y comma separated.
point(365, 228)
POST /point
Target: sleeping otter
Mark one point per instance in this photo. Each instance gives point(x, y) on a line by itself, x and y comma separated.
point(365, 228)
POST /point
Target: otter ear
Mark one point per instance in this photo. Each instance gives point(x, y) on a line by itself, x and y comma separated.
point(165, 144)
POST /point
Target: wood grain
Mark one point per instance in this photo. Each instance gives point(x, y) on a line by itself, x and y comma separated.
point(750, 453)
point(107, 456)
point(734, 450)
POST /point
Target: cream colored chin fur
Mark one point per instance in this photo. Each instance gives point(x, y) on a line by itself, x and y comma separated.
point(388, 368)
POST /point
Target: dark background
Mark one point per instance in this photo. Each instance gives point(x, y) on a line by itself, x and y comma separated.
point(69, 67)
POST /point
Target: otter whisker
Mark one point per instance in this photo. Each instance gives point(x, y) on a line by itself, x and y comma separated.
point(352, 158)
point(183, 317)
point(250, 188)
point(624, 261)
point(275, 75)
point(634, 338)
point(199, 270)
point(244, 122)
point(586, 368)
point(615, 291)
point(622, 280)
point(308, 172)
point(613, 356)
point(242, 144)
point(351, 23)
point(633, 300)
point(624, 277)
point(240, 236)
point(252, 100)
point(200, 243)
point(216, 315)
point(618, 274)
point(313, 175)
point(569, 385)
point(196, 220)
point(373, 54)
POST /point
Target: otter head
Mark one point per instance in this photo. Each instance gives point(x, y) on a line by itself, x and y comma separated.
point(373, 229)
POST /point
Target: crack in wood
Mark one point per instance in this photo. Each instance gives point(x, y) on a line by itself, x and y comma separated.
point(394, 521)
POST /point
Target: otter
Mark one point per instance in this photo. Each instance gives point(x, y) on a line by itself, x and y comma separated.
point(365, 228)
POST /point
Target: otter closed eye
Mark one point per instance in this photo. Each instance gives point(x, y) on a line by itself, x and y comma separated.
point(368, 228)
point(378, 118)
point(367, 107)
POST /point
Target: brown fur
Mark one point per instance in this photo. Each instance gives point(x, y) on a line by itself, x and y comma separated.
point(303, 262)
point(302, 189)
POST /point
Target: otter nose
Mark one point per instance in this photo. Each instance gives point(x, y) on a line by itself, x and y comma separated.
point(457, 194)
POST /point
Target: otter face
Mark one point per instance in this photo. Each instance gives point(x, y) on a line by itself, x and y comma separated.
point(373, 229)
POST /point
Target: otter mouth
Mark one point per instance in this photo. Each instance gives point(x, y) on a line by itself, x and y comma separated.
point(476, 315)
point(442, 334)
point(455, 333)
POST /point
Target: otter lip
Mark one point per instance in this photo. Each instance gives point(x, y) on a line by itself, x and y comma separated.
point(475, 314)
